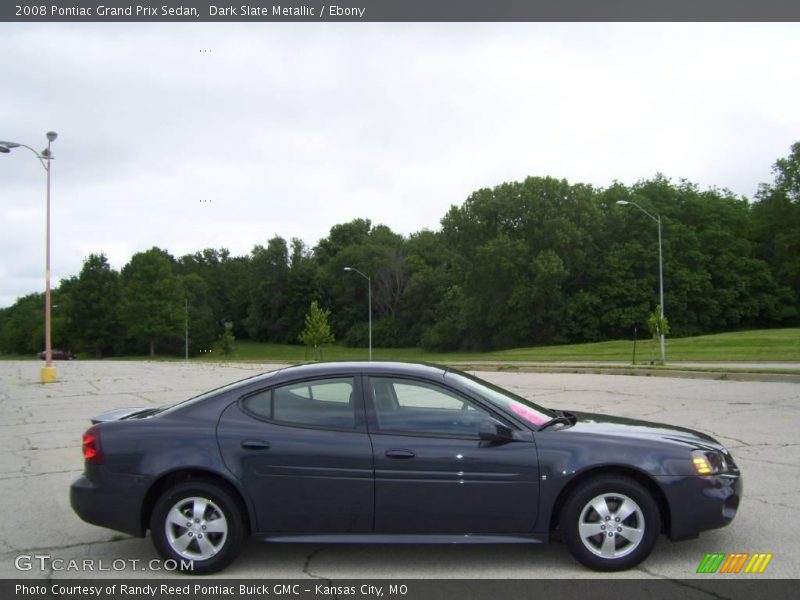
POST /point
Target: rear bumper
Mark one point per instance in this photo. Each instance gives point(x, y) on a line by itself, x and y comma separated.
point(109, 500)
point(699, 503)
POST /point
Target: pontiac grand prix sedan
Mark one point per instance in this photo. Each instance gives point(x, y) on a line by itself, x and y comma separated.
point(400, 453)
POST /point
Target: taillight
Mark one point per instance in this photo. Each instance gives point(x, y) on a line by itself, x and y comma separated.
point(91, 446)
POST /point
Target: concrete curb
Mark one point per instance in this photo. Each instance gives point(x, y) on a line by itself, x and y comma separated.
point(731, 375)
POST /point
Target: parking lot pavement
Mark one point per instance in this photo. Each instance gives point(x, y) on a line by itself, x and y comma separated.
point(42, 427)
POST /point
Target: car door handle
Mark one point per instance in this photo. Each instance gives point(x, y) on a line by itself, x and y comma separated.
point(399, 453)
point(255, 444)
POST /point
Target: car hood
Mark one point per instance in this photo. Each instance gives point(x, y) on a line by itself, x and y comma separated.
point(620, 426)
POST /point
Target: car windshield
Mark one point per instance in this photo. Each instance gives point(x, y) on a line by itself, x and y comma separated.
point(507, 401)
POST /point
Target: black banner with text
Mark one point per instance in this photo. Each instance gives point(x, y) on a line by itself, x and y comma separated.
point(399, 10)
point(392, 589)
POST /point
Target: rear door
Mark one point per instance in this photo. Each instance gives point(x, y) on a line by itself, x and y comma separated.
point(432, 472)
point(302, 452)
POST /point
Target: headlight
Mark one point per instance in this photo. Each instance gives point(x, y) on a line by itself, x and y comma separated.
point(709, 462)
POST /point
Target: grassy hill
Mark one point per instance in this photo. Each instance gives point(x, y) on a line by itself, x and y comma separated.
point(757, 345)
point(776, 345)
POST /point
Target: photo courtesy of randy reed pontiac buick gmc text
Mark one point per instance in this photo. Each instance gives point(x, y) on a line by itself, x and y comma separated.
point(200, 589)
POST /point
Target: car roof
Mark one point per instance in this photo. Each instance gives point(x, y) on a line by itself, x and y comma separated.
point(333, 368)
point(364, 366)
point(313, 370)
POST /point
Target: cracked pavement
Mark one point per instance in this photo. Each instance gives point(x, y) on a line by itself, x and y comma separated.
point(42, 427)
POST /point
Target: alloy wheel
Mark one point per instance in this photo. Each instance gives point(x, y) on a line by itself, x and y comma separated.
point(611, 525)
point(196, 528)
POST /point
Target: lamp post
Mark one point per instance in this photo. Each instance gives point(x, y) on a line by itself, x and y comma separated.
point(369, 291)
point(657, 219)
point(186, 329)
point(47, 374)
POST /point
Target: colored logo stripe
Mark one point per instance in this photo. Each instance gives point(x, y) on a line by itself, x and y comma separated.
point(734, 563)
point(711, 562)
point(758, 563)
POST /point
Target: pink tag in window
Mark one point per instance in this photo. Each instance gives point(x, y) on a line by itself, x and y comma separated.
point(527, 413)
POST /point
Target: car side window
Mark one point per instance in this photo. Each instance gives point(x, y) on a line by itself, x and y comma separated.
point(317, 403)
point(416, 407)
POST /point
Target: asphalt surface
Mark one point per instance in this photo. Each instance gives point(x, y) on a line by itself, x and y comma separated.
point(42, 426)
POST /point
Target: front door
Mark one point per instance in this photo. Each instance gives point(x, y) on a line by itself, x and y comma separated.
point(432, 472)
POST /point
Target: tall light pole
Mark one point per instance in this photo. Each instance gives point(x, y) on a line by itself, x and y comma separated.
point(47, 374)
point(186, 329)
point(657, 219)
point(369, 288)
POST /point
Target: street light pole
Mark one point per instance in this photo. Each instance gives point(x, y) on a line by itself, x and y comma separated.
point(186, 329)
point(48, 345)
point(657, 219)
point(47, 374)
point(369, 293)
point(661, 290)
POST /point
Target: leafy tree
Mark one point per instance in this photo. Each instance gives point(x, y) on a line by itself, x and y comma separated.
point(776, 230)
point(341, 236)
point(236, 285)
point(449, 330)
point(22, 326)
point(226, 342)
point(203, 328)
point(430, 276)
point(92, 301)
point(656, 324)
point(207, 265)
point(519, 248)
point(536, 261)
point(152, 305)
point(317, 332)
point(269, 271)
point(376, 251)
point(787, 174)
point(302, 283)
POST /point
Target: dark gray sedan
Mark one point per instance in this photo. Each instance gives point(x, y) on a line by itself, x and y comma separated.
point(393, 452)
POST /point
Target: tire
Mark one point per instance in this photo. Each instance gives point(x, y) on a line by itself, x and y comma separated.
point(198, 524)
point(592, 532)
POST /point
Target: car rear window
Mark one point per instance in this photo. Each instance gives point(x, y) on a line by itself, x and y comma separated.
point(318, 403)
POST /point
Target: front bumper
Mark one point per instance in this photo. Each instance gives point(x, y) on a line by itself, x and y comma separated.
point(109, 500)
point(698, 503)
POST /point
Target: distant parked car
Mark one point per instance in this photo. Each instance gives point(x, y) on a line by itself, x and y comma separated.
point(58, 355)
point(394, 453)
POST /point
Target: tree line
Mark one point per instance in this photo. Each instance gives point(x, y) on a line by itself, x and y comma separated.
point(540, 261)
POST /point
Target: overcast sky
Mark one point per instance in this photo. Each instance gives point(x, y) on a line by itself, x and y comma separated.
point(288, 129)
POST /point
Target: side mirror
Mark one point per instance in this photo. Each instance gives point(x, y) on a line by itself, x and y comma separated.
point(494, 431)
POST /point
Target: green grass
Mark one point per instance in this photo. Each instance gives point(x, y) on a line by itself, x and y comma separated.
point(758, 345)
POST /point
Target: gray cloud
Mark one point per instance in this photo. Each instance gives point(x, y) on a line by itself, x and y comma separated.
point(289, 129)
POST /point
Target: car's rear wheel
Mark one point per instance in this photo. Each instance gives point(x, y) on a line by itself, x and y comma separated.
point(610, 523)
point(199, 525)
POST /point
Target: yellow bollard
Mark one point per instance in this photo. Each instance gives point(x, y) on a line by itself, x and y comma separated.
point(47, 374)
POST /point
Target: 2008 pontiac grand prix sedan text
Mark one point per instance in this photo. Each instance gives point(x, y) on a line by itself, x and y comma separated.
point(395, 452)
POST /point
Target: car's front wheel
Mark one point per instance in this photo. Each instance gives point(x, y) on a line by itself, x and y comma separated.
point(199, 525)
point(610, 523)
